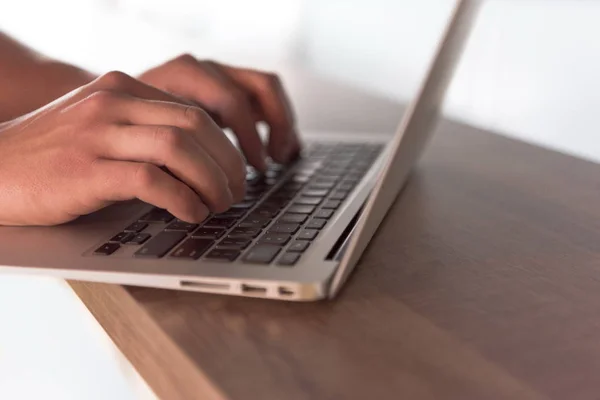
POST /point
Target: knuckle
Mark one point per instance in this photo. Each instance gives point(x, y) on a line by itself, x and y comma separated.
point(195, 116)
point(209, 63)
point(99, 101)
point(268, 82)
point(145, 175)
point(271, 80)
point(169, 137)
point(115, 80)
point(235, 100)
point(185, 58)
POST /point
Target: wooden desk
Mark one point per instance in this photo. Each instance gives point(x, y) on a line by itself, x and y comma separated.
point(482, 283)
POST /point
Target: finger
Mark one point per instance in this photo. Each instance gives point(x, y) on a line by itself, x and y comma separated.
point(274, 106)
point(170, 147)
point(122, 180)
point(222, 97)
point(124, 109)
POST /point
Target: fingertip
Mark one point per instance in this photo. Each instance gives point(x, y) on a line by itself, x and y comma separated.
point(260, 161)
point(286, 154)
point(225, 203)
point(198, 213)
point(202, 212)
point(238, 191)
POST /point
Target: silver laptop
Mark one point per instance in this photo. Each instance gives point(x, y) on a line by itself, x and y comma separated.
point(296, 236)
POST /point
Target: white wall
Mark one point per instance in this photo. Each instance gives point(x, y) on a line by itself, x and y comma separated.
point(530, 69)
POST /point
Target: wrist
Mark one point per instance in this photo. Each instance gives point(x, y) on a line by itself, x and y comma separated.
point(43, 81)
point(60, 78)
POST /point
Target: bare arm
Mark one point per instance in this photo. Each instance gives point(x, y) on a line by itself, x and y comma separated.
point(29, 80)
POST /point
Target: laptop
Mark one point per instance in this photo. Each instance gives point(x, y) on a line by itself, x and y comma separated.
point(297, 235)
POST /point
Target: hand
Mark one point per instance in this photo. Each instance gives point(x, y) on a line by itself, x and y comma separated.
point(106, 142)
point(236, 98)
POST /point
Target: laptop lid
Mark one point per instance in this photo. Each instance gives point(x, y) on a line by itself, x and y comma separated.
point(411, 137)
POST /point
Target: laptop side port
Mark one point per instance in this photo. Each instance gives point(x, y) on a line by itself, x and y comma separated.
point(198, 285)
point(285, 291)
point(254, 290)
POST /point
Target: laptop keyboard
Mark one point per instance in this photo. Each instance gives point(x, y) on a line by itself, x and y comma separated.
point(281, 215)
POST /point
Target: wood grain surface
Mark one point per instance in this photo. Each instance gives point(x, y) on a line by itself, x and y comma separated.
point(482, 283)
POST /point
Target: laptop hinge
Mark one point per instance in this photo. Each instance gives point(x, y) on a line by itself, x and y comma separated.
point(339, 247)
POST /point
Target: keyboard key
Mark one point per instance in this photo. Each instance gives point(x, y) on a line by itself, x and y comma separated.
point(324, 180)
point(266, 212)
point(192, 249)
point(338, 195)
point(325, 214)
point(138, 239)
point(307, 234)
point(234, 243)
point(279, 239)
point(251, 175)
point(309, 201)
point(292, 186)
point(107, 249)
point(346, 186)
point(275, 167)
point(181, 226)
point(332, 173)
point(315, 192)
point(349, 182)
point(288, 259)
point(231, 213)
point(281, 195)
point(360, 164)
point(219, 222)
point(292, 218)
point(331, 204)
point(299, 246)
point(160, 244)
point(301, 209)
point(120, 236)
point(210, 233)
point(257, 189)
point(254, 221)
point(244, 233)
point(136, 227)
point(262, 254)
point(301, 178)
point(321, 185)
point(223, 255)
point(157, 215)
point(285, 228)
point(251, 197)
point(316, 223)
point(276, 202)
point(243, 206)
point(356, 172)
point(354, 175)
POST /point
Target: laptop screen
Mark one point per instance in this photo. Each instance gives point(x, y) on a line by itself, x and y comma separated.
point(412, 135)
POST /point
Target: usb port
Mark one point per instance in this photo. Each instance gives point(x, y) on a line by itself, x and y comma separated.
point(252, 289)
point(283, 291)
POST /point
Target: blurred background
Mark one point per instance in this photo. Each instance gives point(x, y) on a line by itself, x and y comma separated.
point(530, 71)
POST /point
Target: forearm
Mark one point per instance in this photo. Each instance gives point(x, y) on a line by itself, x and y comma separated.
point(29, 80)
